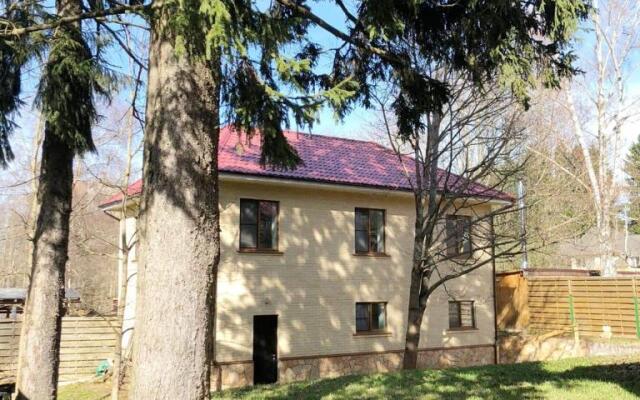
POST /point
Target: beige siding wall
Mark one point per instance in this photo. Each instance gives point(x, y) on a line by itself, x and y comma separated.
point(314, 284)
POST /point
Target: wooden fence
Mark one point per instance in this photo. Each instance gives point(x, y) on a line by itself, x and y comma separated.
point(512, 311)
point(592, 306)
point(86, 341)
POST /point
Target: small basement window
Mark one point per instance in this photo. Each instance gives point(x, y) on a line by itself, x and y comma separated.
point(371, 317)
point(258, 225)
point(462, 315)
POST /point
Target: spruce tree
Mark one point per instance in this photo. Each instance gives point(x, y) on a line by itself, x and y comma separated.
point(69, 81)
point(207, 60)
point(204, 57)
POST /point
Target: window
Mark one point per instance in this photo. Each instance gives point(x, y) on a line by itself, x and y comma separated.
point(462, 315)
point(258, 225)
point(369, 231)
point(371, 317)
point(458, 235)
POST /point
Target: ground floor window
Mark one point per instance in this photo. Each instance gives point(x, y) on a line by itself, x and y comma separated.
point(371, 317)
point(462, 314)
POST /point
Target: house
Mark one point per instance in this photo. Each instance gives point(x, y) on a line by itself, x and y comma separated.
point(12, 301)
point(314, 271)
point(583, 252)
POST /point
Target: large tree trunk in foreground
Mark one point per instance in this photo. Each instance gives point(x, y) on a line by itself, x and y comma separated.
point(37, 375)
point(179, 226)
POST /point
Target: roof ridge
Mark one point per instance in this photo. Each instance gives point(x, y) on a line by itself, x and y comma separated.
point(311, 134)
point(336, 138)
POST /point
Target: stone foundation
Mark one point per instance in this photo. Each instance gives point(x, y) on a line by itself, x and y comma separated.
point(290, 369)
point(232, 375)
point(298, 369)
point(456, 357)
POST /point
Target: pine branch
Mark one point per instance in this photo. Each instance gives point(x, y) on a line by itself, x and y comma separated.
point(362, 44)
point(118, 10)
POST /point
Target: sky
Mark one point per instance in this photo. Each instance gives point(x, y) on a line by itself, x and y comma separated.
point(355, 125)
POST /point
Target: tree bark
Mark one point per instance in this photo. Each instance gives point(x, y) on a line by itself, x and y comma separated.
point(425, 192)
point(414, 323)
point(118, 371)
point(123, 273)
point(37, 375)
point(179, 224)
point(39, 357)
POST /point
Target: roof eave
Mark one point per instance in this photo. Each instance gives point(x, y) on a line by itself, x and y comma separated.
point(133, 200)
point(228, 176)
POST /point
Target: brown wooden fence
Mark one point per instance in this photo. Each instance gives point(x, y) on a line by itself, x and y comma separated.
point(512, 311)
point(86, 341)
point(591, 305)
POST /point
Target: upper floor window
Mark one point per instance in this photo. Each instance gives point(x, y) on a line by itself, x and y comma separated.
point(369, 231)
point(462, 315)
point(458, 235)
point(258, 225)
point(371, 317)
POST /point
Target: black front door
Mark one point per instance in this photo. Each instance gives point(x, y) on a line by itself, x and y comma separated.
point(265, 349)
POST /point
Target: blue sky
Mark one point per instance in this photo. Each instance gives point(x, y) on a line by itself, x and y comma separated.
point(357, 124)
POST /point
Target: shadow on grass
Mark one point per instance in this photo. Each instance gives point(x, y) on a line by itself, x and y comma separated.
point(521, 381)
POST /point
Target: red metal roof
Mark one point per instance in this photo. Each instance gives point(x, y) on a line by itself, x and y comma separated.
point(328, 160)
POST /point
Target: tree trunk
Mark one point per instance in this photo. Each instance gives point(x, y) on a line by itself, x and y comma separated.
point(122, 298)
point(37, 375)
point(425, 196)
point(606, 252)
point(414, 323)
point(39, 357)
point(179, 225)
point(123, 273)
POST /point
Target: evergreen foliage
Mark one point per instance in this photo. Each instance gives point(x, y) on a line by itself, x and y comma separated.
point(65, 96)
point(632, 169)
point(266, 59)
point(10, 85)
point(517, 42)
point(264, 87)
point(14, 54)
point(69, 79)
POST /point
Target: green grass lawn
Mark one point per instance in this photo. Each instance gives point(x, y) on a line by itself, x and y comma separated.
point(85, 391)
point(579, 378)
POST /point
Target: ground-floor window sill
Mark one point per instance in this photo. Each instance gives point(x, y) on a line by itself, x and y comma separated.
point(463, 330)
point(261, 252)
